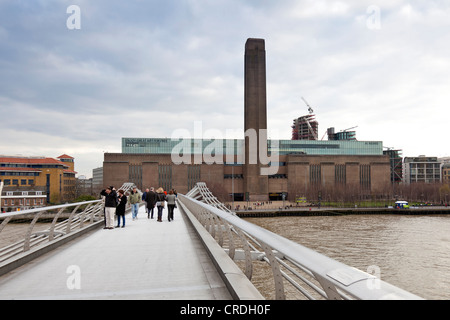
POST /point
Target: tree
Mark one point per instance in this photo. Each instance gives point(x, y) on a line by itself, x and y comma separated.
point(85, 197)
point(444, 191)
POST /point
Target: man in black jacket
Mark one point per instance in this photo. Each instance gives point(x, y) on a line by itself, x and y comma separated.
point(110, 206)
point(151, 201)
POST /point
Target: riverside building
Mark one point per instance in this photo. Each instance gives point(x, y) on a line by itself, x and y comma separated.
point(422, 169)
point(30, 182)
point(300, 165)
point(253, 168)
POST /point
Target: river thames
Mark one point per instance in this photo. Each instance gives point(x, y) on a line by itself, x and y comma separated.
point(409, 251)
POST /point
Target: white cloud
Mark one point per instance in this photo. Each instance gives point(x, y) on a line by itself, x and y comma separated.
point(318, 9)
point(147, 68)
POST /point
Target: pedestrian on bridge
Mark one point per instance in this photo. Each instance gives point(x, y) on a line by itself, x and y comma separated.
point(160, 198)
point(135, 198)
point(171, 198)
point(151, 202)
point(120, 210)
point(144, 199)
point(110, 206)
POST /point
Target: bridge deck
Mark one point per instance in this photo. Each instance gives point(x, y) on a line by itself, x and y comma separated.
point(145, 260)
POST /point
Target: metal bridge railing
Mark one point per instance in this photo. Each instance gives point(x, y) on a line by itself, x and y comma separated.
point(298, 272)
point(59, 221)
point(202, 193)
point(37, 227)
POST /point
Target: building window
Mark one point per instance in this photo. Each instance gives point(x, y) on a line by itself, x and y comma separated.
point(278, 176)
point(315, 174)
point(135, 175)
point(193, 175)
point(364, 176)
point(165, 176)
point(340, 174)
point(233, 176)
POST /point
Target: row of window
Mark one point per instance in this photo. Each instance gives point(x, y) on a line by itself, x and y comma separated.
point(21, 202)
point(23, 193)
point(38, 166)
point(23, 182)
point(19, 173)
point(315, 175)
point(236, 146)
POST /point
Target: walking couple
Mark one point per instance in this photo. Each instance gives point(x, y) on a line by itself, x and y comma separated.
point(161, 198)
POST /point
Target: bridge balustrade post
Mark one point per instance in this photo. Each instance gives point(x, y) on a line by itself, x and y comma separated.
point(98, 209)
point(219, 229)
point(329, 288)
point(4, 223)
point(83, 214)
point(248, 254)
point(69, 221)
point(26, 245)
point(52, 227)
point(231, 246)
point(277, 276)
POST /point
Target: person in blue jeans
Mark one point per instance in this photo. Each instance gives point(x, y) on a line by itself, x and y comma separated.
point(134, 199)
point(160, 198)
point(120, 210)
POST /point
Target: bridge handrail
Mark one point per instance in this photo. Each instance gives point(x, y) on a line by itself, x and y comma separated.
point(332, 279)
point(75, 218)
point(49, 208)
point(67, 221)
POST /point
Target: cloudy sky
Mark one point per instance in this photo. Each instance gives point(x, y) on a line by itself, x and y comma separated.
point(77, 83)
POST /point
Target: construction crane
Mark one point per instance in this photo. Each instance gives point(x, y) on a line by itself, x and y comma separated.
point(345, 130)
point(311, 111)
point(309, 118)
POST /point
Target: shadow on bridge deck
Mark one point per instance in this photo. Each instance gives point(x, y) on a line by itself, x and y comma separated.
point(145, 260)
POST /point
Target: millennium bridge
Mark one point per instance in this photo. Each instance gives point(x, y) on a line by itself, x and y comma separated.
point(206, 253)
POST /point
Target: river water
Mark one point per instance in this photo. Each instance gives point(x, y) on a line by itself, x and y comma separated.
point(410, 252)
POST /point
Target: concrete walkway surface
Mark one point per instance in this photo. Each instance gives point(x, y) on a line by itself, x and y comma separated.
point(145, 260)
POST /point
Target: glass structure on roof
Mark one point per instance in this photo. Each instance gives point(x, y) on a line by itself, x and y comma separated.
point(236, 146)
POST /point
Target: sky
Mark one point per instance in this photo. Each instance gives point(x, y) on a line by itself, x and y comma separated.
point(76, 76)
